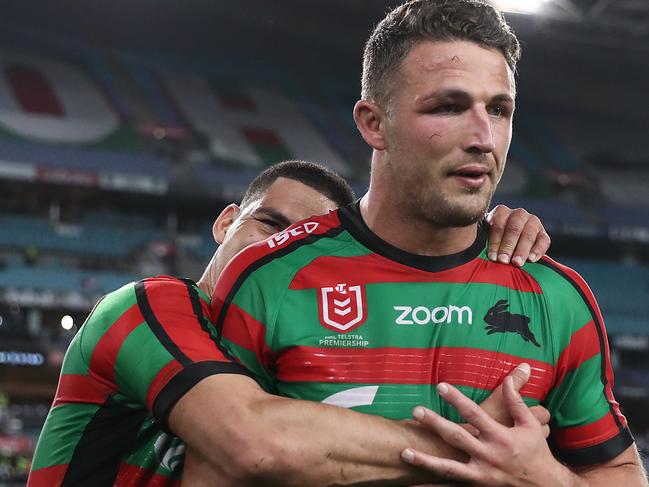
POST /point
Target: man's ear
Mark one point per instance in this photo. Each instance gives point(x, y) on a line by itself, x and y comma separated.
point(224, 221)
point(370, 119)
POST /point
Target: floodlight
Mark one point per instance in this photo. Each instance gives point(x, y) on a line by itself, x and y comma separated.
point(67, 322)
point(520, 6)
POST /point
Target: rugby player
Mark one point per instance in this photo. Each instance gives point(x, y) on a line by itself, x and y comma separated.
point(375, 304)
point(149, 343)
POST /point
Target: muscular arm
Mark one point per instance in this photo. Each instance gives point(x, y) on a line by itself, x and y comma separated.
point(625, 469)
point(239, 435)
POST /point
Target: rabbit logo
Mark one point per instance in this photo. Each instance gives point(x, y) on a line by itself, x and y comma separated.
point(499, 320)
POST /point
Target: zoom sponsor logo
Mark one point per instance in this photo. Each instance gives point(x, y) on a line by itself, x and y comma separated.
point(423, 315)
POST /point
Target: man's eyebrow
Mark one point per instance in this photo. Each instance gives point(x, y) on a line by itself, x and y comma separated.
point(453, 93)
point(504, 98)
point(276, 215)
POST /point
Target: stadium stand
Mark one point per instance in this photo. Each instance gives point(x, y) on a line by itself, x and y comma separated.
point(169, 145)
point(624, 301)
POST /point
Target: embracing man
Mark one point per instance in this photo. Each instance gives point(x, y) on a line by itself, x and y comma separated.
point(391, 302)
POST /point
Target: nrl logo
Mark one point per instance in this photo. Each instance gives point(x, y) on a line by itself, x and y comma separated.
point(342, 308)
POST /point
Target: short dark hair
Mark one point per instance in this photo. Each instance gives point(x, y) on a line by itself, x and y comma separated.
point(318, 177)
point(433, 20)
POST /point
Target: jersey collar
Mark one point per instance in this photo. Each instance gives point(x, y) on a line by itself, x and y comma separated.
point(352, 221)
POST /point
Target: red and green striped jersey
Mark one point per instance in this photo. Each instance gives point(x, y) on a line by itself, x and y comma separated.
point(327, 311)
point(141, 348)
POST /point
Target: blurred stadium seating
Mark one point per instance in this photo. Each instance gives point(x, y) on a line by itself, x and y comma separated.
point(164, 146)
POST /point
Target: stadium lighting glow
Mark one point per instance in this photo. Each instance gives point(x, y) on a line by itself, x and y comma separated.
point(520, 6)
point(67, 322)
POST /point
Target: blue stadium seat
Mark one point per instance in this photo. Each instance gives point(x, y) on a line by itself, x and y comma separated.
point(621, 290)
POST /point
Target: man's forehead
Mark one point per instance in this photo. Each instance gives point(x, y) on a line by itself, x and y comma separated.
point(453, 61)
point(291, 200)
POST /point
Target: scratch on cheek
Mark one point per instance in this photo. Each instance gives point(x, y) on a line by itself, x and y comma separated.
point(455, 58)
point(434, 135)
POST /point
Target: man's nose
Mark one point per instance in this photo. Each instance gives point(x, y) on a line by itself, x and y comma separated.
point(480, 137)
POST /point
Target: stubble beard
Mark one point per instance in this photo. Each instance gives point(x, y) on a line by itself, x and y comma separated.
point(442, 211)
point(430, 205)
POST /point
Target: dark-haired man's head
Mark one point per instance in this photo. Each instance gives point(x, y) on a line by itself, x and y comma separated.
point(430, 20)
point(280, 196)
point(313, 175)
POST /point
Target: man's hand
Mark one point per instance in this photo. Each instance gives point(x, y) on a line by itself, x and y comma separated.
point(515, 236)
point(499, 455)
point(496, 408)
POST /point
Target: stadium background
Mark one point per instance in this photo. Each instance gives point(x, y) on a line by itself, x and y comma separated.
point(126, 126)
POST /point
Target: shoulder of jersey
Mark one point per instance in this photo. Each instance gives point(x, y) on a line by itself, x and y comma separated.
point(154, 286)
point(569, 275)
point(163, 282)
point(562, 270)
point(300, 233)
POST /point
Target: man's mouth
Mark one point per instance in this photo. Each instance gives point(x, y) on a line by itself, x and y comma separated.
point(471, 176)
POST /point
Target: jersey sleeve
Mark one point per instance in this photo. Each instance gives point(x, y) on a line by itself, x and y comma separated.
point(242, 309)
point(184, 341)
point(587, 425)
point(160, 347)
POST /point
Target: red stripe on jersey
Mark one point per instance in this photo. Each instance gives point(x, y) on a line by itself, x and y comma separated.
point(587, 294)
point(244, 330)
point(99, 383)
point(374, 268)
point(78, 388)
point(104, 355)
point(591, 434)
point(161, 379)
point(48, 476)
point(172, 306)
point(584, 344)
point(470, 367)
point(134, 475)
point(247, 257)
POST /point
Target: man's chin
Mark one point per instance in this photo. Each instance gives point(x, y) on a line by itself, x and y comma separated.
point(459, 220)
point(458, 214)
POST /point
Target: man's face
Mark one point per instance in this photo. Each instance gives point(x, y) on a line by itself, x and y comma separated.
point(285, 202)
point(447, 130)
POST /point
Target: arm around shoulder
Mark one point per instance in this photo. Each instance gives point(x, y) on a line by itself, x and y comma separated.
point(240, 435)
point(217, 421)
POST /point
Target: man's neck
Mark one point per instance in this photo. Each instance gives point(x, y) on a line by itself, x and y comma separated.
point(207, 282)
point(392, 224)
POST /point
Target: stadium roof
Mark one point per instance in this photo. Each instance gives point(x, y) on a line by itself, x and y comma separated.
point(200, 25)
point(591, 53)
point(599, 23)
